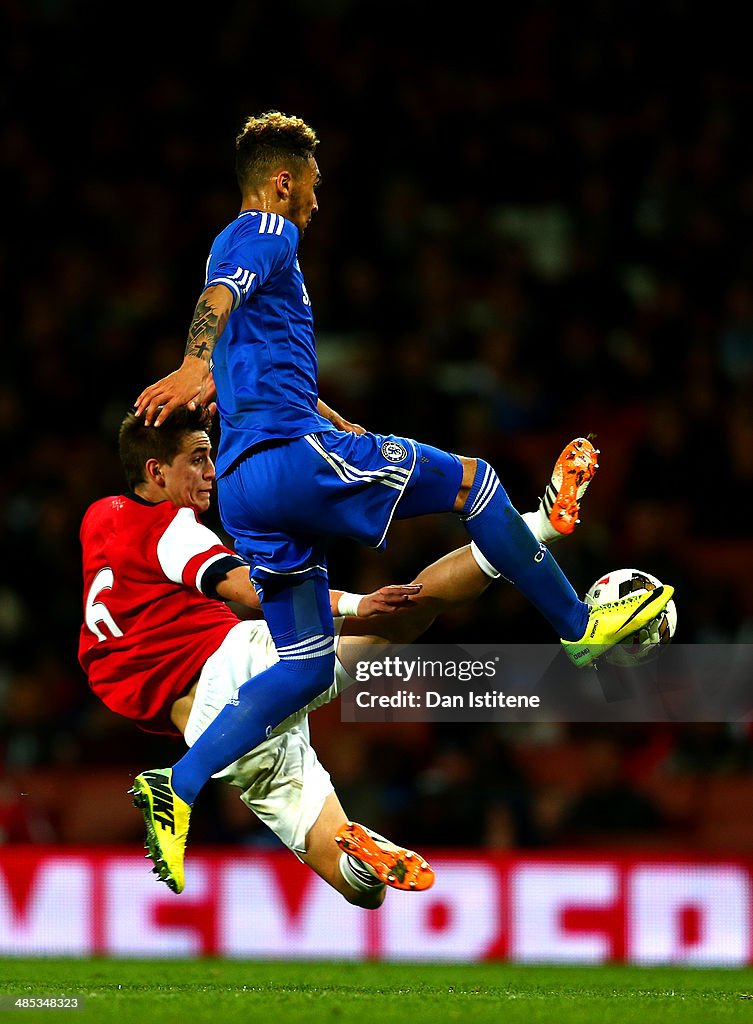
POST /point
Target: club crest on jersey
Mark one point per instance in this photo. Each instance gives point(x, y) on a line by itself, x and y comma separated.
point(393, 451)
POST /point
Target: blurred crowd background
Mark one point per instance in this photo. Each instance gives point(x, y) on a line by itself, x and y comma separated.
point(532, 227)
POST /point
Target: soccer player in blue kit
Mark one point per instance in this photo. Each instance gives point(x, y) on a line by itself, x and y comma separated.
point(293, 475)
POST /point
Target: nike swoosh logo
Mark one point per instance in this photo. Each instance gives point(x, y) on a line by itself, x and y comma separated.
point(649, 600)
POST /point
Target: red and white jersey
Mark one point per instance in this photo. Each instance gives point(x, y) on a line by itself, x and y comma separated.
point(148, 627)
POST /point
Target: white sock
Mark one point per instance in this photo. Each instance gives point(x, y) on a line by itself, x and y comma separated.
point(483, 562)
point(539, 525)
point(357, 875)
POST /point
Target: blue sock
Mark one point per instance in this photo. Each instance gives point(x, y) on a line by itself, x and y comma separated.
point(508, 544)
point(301, 623)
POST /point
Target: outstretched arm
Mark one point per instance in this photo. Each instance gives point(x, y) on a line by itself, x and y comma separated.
point(386, 600)
point(191, 384)
point(236, 586)
point(451, 580)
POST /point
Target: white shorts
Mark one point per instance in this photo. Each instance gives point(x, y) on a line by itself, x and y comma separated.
point(282, 781)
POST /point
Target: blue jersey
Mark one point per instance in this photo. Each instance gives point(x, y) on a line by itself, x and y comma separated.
point(264, 363)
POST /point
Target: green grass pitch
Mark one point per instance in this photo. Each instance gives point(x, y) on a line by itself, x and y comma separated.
point(225, 991)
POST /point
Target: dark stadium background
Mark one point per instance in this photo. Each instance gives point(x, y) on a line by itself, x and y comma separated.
point(532, 226)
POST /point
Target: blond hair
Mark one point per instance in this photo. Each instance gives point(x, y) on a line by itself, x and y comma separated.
point(268, 138)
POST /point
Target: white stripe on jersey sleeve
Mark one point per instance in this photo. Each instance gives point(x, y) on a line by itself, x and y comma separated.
point(183, 539)
point(205, 565)
point(232, 285)
point(239, 284)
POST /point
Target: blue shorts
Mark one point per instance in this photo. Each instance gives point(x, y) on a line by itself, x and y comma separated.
point(283, 503)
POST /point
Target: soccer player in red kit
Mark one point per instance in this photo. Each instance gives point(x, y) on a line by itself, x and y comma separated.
point(159, 646)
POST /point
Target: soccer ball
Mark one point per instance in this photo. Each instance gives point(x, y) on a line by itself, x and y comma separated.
point(646, 644)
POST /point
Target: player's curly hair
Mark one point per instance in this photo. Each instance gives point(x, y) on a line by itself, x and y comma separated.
point(137, 443)
point(264, 139)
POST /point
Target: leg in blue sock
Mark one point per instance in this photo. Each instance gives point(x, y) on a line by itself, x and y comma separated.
point(500, 534)
point(507, 543)
point(300, 620)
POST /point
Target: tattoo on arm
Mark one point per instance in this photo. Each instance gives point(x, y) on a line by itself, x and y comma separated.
point(204, 331)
